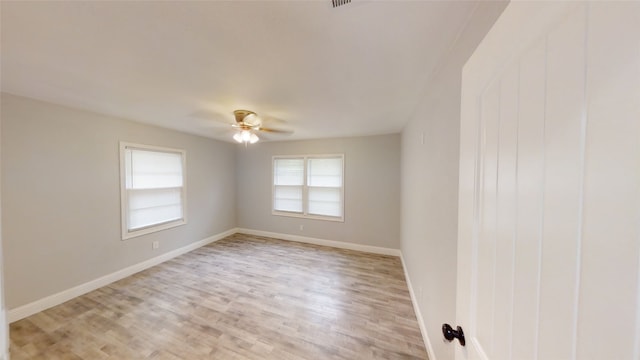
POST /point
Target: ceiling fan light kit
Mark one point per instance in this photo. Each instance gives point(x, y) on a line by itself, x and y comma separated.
point(246, 136)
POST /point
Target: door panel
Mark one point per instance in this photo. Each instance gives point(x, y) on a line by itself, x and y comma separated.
point(549, 201)
point(505, 225)
point(529, 201)
point(486, 247)
point(563, 150)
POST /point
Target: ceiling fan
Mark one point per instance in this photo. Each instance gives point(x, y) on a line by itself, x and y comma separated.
point(248, 124)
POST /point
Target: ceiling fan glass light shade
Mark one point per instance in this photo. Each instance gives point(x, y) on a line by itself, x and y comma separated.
point(245, 135)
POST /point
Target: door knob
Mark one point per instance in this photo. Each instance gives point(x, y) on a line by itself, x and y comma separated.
point(451, 334)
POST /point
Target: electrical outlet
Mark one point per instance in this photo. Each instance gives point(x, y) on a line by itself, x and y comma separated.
point(155, 245)
point(301, 227)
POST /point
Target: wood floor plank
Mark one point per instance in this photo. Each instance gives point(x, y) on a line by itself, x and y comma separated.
point(243, 297)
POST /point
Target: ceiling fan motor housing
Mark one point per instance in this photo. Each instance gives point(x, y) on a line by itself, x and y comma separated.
point(242, 114)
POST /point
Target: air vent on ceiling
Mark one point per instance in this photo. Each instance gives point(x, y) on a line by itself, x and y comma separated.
point(337, 3)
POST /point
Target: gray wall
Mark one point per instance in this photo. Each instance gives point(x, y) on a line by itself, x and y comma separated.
point(372, 190)
point(430, 185)
point(61, 196)
point(4, 328)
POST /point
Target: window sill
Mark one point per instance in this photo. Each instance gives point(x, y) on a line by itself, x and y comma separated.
point(307, 216)
point(152, 229)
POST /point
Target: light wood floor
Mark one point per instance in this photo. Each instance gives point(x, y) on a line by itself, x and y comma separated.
point(243, 297)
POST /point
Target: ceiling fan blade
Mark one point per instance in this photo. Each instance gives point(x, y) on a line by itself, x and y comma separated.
point(276, 131)
point(212, 124)
point(209, 115)
point(212, 120)
point(269, 120)
point(224, 134)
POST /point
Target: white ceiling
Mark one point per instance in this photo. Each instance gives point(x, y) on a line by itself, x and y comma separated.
point(359, 69)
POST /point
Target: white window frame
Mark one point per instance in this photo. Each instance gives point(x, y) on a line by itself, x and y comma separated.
point(124, 200)
point(305, 189)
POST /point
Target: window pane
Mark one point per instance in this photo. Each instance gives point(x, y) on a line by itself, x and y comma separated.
point(309, 186)
point(325, 201)
point(288, 172)
point(325, 172)
point(287, 198)
point(153, 169)
point(154, 206)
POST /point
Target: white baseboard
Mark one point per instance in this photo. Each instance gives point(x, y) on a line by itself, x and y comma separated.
point(416, 308)
point(330, 243)
point(66, 295)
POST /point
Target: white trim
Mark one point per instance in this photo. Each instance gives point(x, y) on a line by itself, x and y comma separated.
point(416, 308)
point(58, 298)
point(323, 242)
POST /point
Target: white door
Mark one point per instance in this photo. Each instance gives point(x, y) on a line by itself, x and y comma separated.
point(549, 202)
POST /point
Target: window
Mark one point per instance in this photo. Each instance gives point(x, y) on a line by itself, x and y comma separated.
point(153, 189)
point(309, 186)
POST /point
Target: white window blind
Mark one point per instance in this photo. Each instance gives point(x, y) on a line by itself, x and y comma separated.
point(153, 192)
point(309, 186)
point(288, 181)
point(324, 179)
